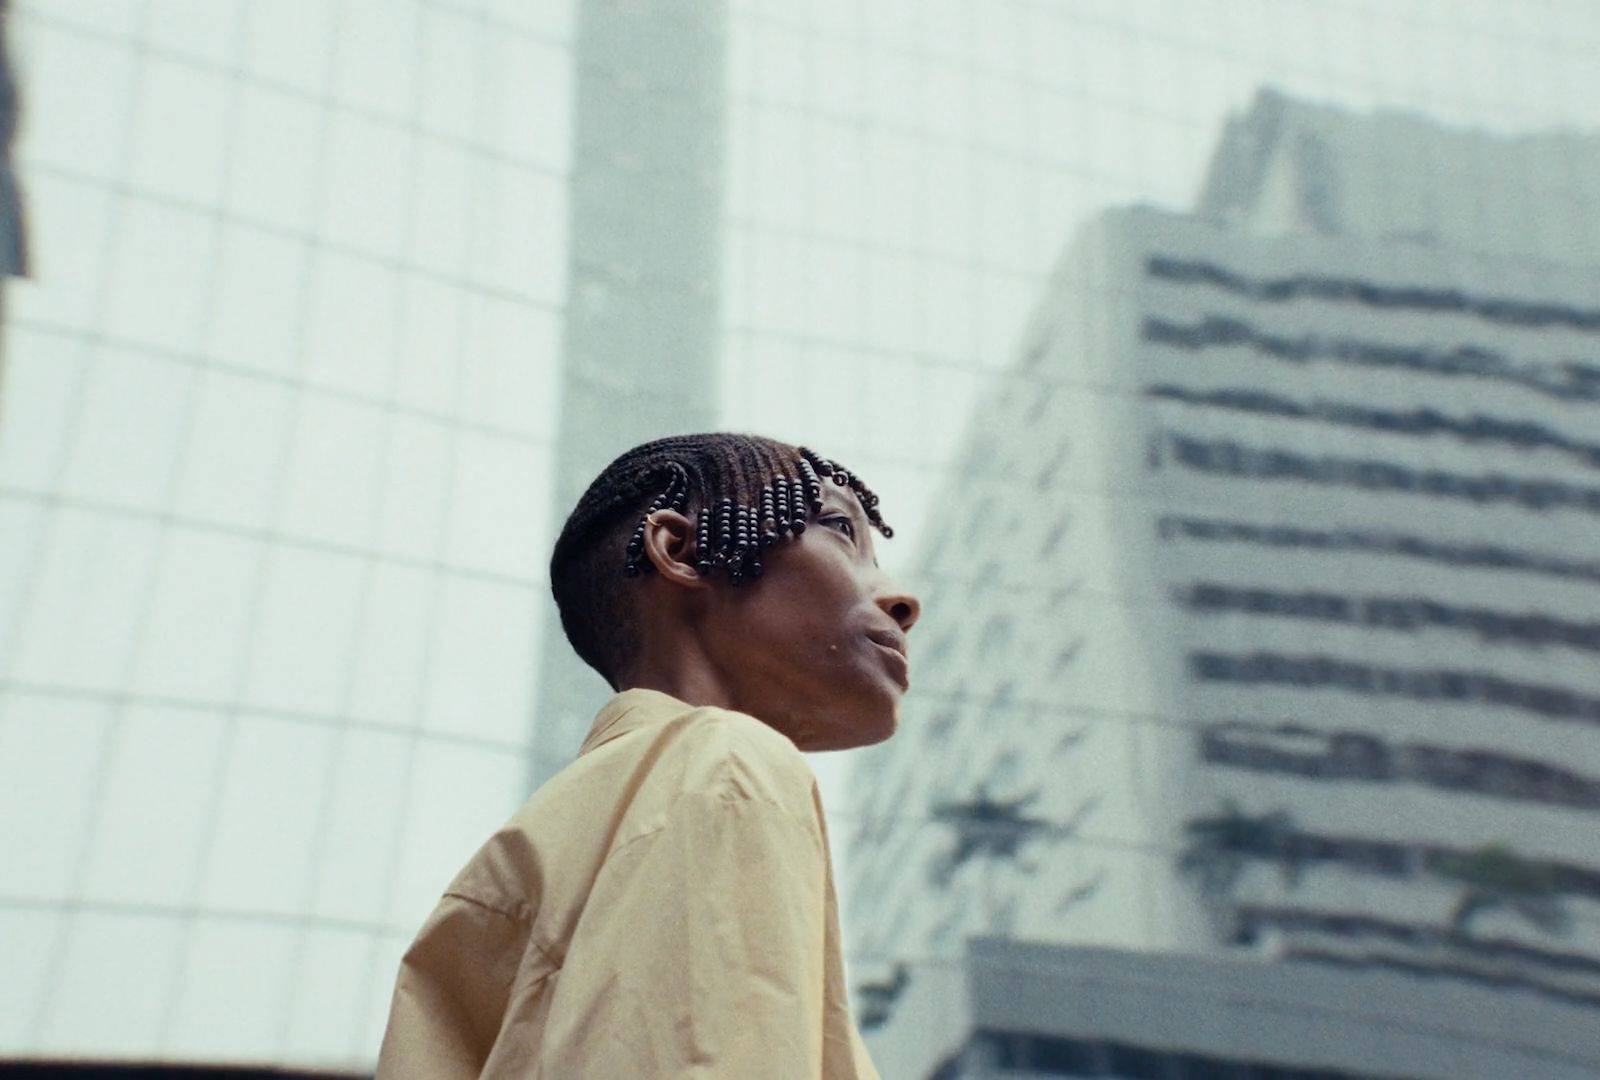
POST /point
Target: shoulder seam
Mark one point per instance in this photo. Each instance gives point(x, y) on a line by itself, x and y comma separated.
point(519, 916)
point(513, 914)
point(807, 823)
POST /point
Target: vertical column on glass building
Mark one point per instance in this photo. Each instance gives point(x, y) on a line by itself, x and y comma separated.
point(642, 304)
point(13, 249)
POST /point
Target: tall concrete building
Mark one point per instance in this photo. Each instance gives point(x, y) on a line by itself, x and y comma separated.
point(1266, 616)
point(640, 354)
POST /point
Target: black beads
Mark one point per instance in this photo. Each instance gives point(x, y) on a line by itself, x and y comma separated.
point(769, 517)
point(780, 503)
point(813, 486)
point(635, 563)
point(813, 466)
point(702, 546)
point(674, 496)
point(722, 541)
point(735, 535)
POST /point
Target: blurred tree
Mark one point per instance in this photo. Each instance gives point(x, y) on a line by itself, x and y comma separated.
point(1496, 878)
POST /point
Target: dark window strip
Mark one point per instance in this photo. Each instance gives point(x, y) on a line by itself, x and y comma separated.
point(1407, 614)
point(1273, 838)
point(1437, 299)
point(1030, 1054)
point(1321, 672)
point(1564, 380)
point(1523, 435)
point(1358, 756)
point(1253, 918)
point(1377, 542)
point(1229, 458)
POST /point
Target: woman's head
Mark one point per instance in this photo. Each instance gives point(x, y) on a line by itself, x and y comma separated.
point(690, 558)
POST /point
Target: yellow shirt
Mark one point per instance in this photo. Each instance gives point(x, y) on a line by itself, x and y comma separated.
point(663, 907)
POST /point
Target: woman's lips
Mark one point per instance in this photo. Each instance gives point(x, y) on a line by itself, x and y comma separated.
point(897, 663)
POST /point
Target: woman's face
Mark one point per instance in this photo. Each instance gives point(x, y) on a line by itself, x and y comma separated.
point(816, 647)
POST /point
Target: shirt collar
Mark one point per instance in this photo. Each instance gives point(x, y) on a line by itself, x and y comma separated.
point(627, 711)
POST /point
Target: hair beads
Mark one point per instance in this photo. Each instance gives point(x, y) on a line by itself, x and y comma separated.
point(676, 497)
point(813, 465)
point(732, 534)
point(769, 518)
point(702, 546)
point(813, 486)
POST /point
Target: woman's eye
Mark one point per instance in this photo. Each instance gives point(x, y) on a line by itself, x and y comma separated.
point(843, 524)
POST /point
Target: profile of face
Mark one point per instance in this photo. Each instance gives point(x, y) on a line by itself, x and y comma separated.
point(817, 647)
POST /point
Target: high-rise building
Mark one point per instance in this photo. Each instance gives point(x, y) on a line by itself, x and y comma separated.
point(275, 458)
point(1265, 613)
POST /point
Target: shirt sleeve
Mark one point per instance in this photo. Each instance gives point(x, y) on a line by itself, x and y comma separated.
point(453, 990)
point(701, 950)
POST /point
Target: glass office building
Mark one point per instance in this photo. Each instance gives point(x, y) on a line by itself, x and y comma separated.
point(279, 424)
point(332, 305)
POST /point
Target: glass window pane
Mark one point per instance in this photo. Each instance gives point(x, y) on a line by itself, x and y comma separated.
point(376, 67)
point(289, 42)
point(218, 1015)
point(47, 789)
point(28, 940)
point(208, 31)
point(260, 295)
point(328, 1000)
point(452, 68)
point(511, 375)
point(180, 131)
point(499, 508)
point(277, 157)
point(520, 235)
point(22, 526)
point(146, 848)
point(194, 642)
point(549, 21)
point(311, 611)
point(360, 834)
point(43, 378)
point(90, 590)
point(364, 201)
point(133, 422)
point(333, 471)
point(112, 989)
point(442, 207)
point(417, 474)
point(430, 348)
point(530, 87)
point(391, 648)
point(481, 680)
point(232, 468)
point(163, 264)
point(89, 117)
point(351, 340)
point(268, 803)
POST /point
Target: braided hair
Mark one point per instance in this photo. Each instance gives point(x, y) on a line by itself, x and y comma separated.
point(745, 493)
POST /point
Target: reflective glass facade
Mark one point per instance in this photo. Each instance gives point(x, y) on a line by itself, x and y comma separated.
point(279, 424)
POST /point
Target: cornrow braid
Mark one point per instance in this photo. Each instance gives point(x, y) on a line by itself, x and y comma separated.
point(745, 494)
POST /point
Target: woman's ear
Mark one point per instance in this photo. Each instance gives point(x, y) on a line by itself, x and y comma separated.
point(669, 545)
